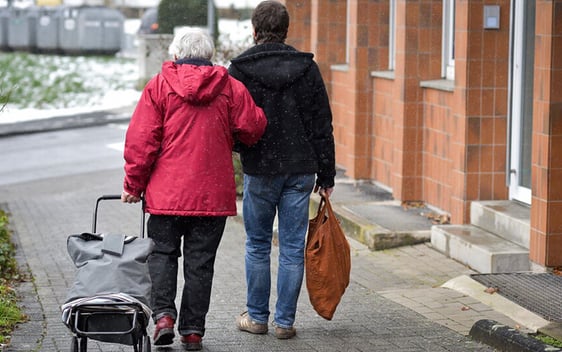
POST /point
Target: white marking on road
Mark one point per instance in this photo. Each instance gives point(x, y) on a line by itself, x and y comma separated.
point(116, 146)
point(119, 126)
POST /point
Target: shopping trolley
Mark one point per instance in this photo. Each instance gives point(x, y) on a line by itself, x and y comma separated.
point(109, 300)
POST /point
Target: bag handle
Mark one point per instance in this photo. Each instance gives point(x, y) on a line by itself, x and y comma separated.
point(115, 197)
point(323, 207)
point(330, 211)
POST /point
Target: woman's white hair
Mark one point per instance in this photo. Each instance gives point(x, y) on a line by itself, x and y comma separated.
point(192, 43)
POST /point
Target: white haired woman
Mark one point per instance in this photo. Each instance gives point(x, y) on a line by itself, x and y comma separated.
point(178, 155)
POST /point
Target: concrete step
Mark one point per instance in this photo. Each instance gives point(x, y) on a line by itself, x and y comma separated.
point(507, 219)
point(479, 249)
point(378, 225)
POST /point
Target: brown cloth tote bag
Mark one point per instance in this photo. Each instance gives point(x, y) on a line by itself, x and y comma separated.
point(328, 261)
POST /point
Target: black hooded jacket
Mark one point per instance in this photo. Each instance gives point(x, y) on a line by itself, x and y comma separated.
point(288, 86)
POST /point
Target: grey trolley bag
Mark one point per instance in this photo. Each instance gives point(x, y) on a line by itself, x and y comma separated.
point(109, 299)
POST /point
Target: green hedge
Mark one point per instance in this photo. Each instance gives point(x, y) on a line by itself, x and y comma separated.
point(179, 13)
point(238, 174)
point(10, 313)
point(8, 265)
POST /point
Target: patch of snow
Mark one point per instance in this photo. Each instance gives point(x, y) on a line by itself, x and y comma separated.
point(111, 100)
point(238, 4)
point(111, 84)
point(238, 31)
point(131, 25)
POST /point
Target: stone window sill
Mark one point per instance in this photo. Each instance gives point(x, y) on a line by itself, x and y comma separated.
point(446, 85)
point(383, 74)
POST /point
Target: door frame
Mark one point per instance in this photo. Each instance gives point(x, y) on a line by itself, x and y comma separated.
point(517, 82)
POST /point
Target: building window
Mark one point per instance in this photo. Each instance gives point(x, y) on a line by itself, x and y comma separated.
point(448, 67)
point(392, 35)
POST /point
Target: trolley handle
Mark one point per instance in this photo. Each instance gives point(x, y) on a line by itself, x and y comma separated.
point(116, 197)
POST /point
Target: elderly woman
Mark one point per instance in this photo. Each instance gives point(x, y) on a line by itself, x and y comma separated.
point(178, 155)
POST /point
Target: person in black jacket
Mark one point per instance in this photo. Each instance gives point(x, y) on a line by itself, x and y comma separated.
point(294, 157)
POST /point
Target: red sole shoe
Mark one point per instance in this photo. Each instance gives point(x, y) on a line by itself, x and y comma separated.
point(191, 342)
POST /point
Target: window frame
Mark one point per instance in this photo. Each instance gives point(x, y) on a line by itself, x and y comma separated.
point(448, 49)
point(392, 35)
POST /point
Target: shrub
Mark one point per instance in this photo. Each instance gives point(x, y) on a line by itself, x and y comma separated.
point(4, 98)
point(180, 13)
point(55, 81)
point(238, 174)
point(8, 265)
point(10, 313)
point(227, 48)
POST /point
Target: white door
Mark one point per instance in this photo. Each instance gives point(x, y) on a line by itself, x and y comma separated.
point(521, 103)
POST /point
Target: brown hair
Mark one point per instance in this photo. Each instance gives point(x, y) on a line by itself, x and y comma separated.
point(270, 20)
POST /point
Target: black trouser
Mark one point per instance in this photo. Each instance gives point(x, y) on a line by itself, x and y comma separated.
point(201, 238)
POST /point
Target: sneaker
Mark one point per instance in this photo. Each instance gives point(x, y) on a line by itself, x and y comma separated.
point(245, 323)
point(164, 331)
point(285, 333)
point(191, 342)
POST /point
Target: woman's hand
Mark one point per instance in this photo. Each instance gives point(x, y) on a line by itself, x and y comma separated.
point(129, 198)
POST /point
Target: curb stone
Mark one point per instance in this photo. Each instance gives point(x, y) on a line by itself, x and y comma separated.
point(505, 338)
point(86, 119)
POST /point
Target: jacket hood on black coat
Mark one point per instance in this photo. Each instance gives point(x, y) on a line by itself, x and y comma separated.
point(274, 65)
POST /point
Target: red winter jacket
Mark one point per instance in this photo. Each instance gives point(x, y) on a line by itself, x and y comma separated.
point(178, 146)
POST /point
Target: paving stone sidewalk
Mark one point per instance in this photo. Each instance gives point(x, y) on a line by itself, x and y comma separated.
point(392, 304)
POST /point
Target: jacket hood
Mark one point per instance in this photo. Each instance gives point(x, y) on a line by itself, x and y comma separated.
point(273, 65)
point(195, 83)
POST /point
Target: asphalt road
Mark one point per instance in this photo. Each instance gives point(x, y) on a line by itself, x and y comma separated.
point(31, 157)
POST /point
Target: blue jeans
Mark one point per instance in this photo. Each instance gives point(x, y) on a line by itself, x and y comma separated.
point(263, 196)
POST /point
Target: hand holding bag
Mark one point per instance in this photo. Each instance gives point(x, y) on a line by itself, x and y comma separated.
point(328, 261)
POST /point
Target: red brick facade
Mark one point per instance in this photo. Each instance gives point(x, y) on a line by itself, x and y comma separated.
point(424, 138)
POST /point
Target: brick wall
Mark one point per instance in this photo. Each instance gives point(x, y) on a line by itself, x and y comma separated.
point(546, 222)
point(445, 146)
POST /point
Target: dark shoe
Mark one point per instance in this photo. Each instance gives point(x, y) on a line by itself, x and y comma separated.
point(164, 331)
point(191, 342)
point(284, 334)
point(245, 323)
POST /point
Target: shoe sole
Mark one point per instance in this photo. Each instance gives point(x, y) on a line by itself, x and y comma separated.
point(260, 332)
point(165, 337)
point(192, 346)
point(256, 331)
point(285, 335)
